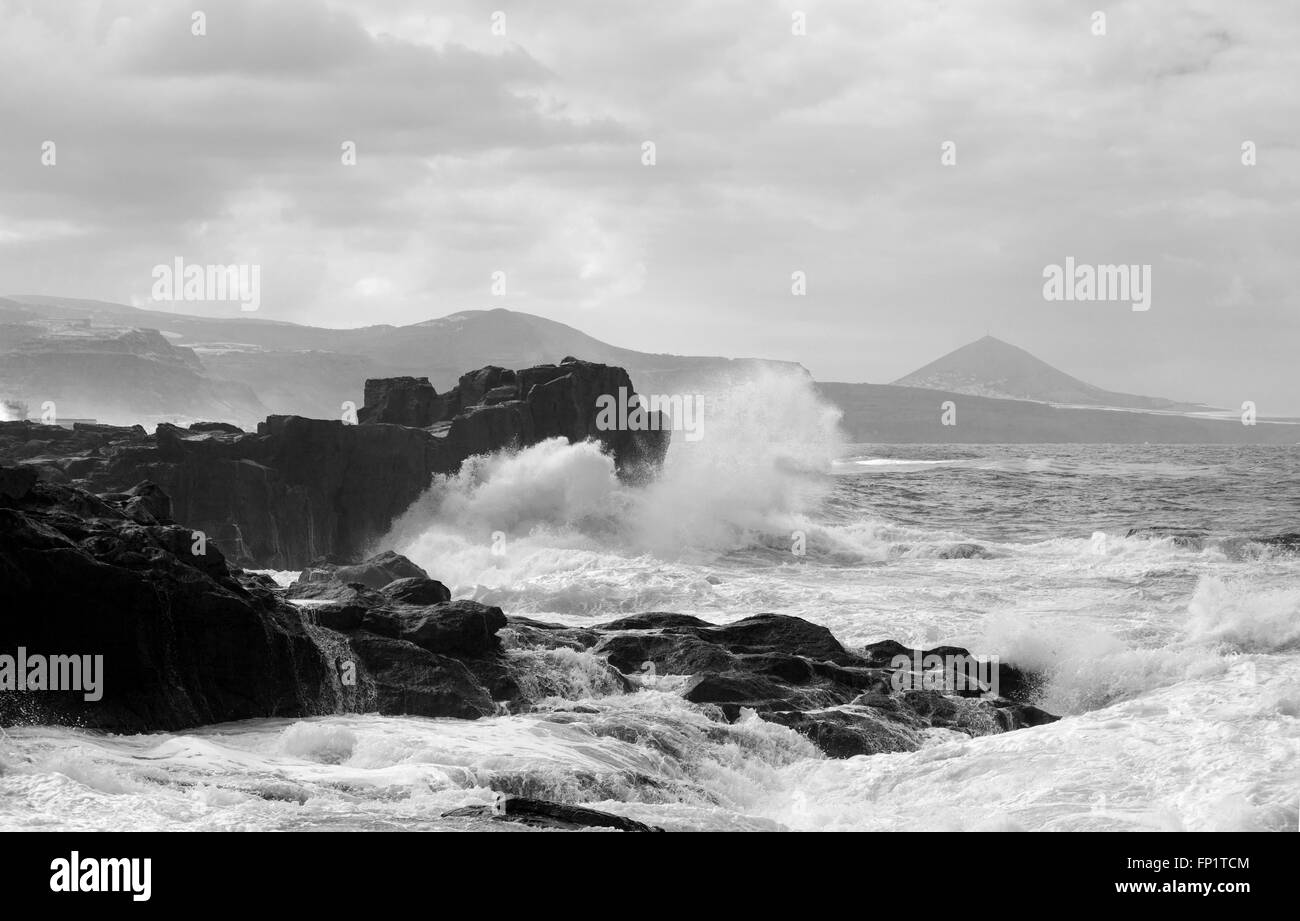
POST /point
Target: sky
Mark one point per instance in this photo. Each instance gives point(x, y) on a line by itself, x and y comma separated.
point(508, 137)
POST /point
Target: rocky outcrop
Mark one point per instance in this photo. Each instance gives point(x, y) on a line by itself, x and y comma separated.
point(399, 401)
point(537, 813)
point(184, 639)
point(792, 672)
point(1287, 543)
point(187, 639)
point(376, 572)
point(300, 491)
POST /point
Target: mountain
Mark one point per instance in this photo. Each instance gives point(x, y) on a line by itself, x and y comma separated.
point(116, 372)
point(124, 365)
point(887, 414)
point(241, 368)
point(989, 367)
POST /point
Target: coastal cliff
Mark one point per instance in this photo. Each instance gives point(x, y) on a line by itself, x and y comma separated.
point(300, 490)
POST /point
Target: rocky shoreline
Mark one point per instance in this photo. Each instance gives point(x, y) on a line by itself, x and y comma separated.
point(300, 490)
point(137, 548)
point(188, 639)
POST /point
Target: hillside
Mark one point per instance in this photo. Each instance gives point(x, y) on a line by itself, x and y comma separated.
point(989, 367)
point(290, 368)
point(888, 414)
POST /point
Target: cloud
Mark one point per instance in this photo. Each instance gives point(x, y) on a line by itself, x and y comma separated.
point(519, 152)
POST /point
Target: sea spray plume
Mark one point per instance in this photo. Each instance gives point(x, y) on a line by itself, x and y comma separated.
point(755, 474)
point(1087, 668)
point(753, 478)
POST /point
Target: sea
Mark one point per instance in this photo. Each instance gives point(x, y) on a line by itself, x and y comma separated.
point(1131, 577)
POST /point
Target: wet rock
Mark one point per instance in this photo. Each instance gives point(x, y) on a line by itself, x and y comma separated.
point(1289, 542)
point(416, 590)
point(526, 632)
point(1188, 538)
point(408, 679)
point(183, 642)
point(16, 482)
point(299, 489)
point(779, 633)
point(377, 572)
point(850, 732)
point(406, 401)
point(734, 691)
point(188, 640)
point(542, 814)
point(148, 501)
point(653, 620)
point(965, 551)
point(796, 673)
point(671, 655)
point(460, 628)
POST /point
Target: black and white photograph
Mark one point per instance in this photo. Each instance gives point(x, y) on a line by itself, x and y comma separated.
point(622, 417)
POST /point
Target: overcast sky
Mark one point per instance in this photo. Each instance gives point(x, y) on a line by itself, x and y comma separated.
point(776, 153)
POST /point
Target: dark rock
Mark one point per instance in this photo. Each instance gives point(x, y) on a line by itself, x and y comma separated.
point(846, 733)
point(475, 385)
point(150, 498)
point(377, 572)
point(399, 401)
point(183, 642)
point(783, 666)
point(527, 632)
point(1018, 684)
point(653, 620)
point(462, 628)
point(780, 633)
point(1289, 542)
point(882, 654)
point(346, 607)
point(410, 680)
point(331, 589)
point(187, 640)
point(733, 691)
point(501, 394)
point(796, 673)
point(671, 655)
point(542, 814)
point(965, 551)
point(1189, 538)
point(734, 688)
point(302, 489)
point(417, 590)
point(16, 482)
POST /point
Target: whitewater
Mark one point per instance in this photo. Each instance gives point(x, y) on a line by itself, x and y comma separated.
point(1173, 654)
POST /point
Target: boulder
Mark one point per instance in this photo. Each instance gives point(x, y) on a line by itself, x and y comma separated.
point(653, 620)
point(416, 590)
point(542, 814)
point(16, 482)
point(399, 401)
point(378, 571)
point(460, 628)
point(780, 633)
point(407, 679)
point(183, 641)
